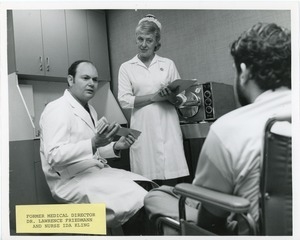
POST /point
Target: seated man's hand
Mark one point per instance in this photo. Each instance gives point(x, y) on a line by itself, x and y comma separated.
point(124, 142)
point(103, 139)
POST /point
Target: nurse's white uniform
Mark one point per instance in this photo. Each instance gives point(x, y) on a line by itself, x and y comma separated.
point(73, 173)
point(158, 152)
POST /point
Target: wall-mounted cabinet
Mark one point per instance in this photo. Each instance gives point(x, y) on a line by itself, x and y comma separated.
point(87, 39)
point(40, 42)
point(77, 32)
point(98, 43)
point(47, 42)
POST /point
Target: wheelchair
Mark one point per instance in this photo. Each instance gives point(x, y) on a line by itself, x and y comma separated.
point(275, 201)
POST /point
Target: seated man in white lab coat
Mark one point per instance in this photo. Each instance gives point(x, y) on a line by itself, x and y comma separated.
point(73, 153)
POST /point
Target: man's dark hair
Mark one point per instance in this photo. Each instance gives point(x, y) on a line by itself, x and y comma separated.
point(266, 51)
point(73, 68)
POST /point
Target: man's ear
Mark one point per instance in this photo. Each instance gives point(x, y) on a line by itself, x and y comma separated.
point(70, 80)
point(244, 77)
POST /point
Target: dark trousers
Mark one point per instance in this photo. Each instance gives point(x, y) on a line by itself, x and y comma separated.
point(170, 182)
point(138, 225)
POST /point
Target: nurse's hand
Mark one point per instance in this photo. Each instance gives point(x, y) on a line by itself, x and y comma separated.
point(124, 142)
point(165, 94)
point(165, 91)
point(105, 138)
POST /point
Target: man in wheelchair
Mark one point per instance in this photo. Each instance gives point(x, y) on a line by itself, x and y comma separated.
point(231, 158)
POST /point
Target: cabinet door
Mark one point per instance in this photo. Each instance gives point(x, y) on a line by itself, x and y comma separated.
point(28, 42)
point(78, 43)
point(55, 43)
point(98, 43)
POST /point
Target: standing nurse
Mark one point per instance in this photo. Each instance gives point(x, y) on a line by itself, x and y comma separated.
point(158, 153)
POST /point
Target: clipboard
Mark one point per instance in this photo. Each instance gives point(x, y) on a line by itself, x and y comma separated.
point(125, 131)
point(176, 87)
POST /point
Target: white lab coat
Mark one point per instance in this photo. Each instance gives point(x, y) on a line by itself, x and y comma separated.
point(73, 173)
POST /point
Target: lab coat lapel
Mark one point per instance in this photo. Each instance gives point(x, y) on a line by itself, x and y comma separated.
point(79, 110)
point(93, 114)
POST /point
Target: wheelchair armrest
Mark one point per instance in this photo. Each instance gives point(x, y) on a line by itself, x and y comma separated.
point(210, 197)
point(162, 222)
point(169, 221)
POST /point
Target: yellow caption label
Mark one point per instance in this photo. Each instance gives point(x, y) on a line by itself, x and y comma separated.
point(61, 218)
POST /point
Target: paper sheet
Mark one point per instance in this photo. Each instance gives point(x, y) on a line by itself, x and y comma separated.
point(125, 131)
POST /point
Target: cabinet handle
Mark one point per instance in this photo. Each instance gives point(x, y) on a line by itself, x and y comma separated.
point(41, 63)
point(48, 64)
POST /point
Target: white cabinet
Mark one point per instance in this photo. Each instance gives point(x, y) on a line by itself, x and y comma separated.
point(98, 43)
point(55, 43)
point(28, 42)
point(40, 42)
point(77, 32)
point(47, 42)
point(87, 39)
